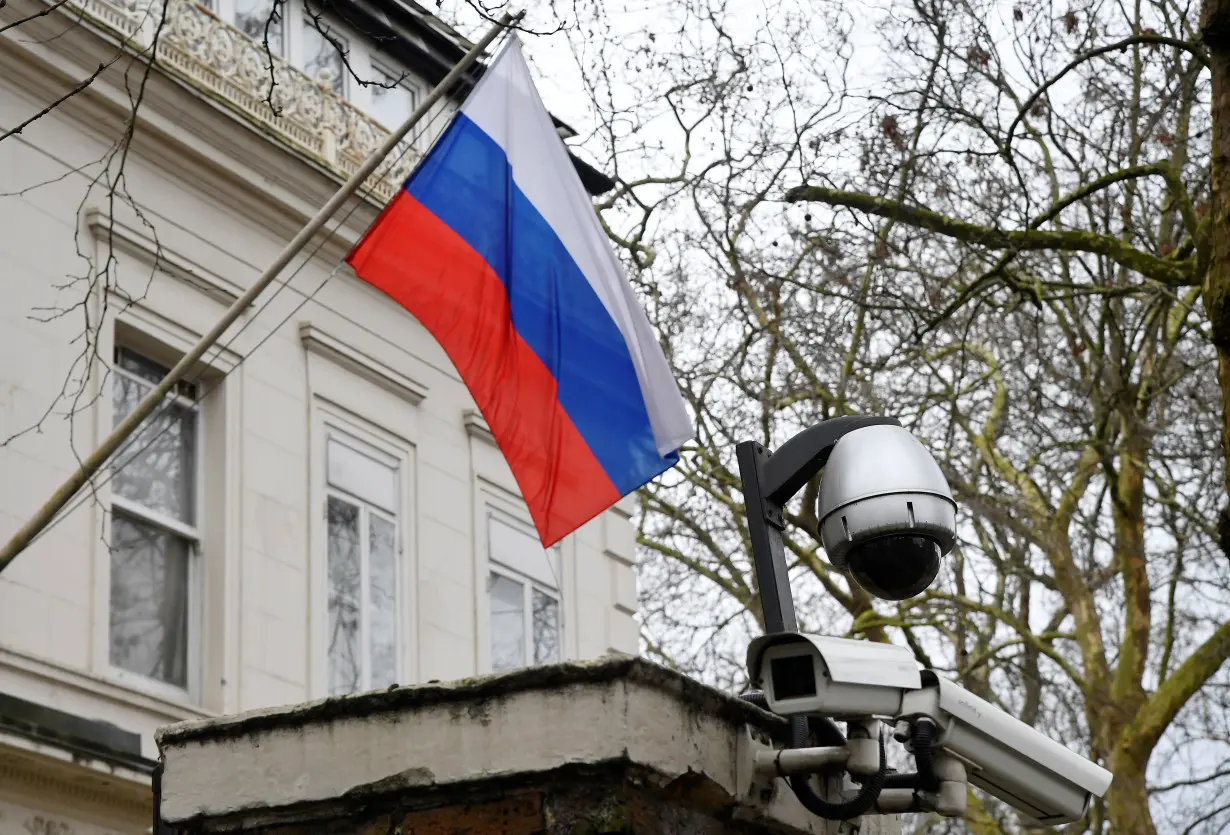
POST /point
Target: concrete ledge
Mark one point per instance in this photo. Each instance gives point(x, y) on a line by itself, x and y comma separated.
point(541, 744)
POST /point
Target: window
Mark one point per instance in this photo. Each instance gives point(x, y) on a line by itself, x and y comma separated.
point(322, 56)
point(253, 16)
point(363, 547)
point(524, 598)
point(321, 46)
point(392, 100)
point(154, 527)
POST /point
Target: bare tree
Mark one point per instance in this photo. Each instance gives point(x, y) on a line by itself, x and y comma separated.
point(990, 221)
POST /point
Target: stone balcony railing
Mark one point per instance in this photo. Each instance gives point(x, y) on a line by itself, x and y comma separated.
point(235, 69)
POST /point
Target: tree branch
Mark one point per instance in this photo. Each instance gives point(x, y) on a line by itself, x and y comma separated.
point(1171, 273)
point(80, 86)
point(1132, 40)
point(1141, 735)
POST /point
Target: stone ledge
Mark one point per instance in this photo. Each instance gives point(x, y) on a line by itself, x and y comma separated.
point(540, 747)
point(480, 690)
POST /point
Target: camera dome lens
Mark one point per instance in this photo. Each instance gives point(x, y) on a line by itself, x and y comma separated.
point(895, 567)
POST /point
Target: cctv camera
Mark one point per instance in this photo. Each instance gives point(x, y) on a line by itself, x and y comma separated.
point(886, 514)
point(1005, 757)
point(816, 675)
point(835, 677)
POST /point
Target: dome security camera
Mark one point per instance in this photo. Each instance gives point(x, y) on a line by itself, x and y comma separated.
point(886, 513)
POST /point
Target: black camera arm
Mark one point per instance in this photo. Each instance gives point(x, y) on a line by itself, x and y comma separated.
point(770, 479)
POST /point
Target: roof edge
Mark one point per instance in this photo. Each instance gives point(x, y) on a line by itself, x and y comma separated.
point(424, 43)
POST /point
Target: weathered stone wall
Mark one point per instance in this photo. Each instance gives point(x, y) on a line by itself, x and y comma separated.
point(617, 746)
point(618, 800)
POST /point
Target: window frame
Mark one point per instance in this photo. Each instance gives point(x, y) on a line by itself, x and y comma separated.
point(529, 582)
point(340, 397)
point(228, 13)
point(362, 54)
point(348, 439)
point(296, 53)
point(225, 10)
point(194, 534)
point(380, 66)
point(528, 587)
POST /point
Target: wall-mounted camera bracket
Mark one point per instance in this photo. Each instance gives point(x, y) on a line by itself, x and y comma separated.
point(770, 480)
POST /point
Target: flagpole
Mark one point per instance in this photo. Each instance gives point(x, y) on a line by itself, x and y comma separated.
point(145, 408)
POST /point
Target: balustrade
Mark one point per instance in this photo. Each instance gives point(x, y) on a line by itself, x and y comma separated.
point(227, 64)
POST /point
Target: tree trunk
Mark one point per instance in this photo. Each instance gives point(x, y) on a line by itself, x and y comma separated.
point(1215, 29)
point(1127, 802)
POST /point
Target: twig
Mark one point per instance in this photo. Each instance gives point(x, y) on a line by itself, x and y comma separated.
point(1132, 40)
point(86, 83)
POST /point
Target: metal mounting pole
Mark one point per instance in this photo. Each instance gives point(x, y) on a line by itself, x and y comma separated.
point(765, 522)
point(770, 480)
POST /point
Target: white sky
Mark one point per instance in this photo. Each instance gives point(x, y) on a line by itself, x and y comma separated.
point(556, 72)
point(556, 75)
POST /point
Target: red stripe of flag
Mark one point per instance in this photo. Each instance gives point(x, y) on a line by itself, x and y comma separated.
point(427, 268)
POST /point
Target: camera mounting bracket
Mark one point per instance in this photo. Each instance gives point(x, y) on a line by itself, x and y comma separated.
point(770, 480)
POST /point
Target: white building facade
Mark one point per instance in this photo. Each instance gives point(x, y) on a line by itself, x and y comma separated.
point(320, 509)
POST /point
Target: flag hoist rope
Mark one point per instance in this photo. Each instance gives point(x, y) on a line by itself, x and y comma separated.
point(120, 433)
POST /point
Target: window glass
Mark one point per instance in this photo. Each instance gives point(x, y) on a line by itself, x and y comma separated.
point(149, 601)
point(157, 466)
point(363, 552)
point(152, 527)
point(507, 623)
point(322, 51)
point(138, 366)
point(254, 19)
point(546, 628)
point(392, 100)
point(345, 592)
point(382, 536)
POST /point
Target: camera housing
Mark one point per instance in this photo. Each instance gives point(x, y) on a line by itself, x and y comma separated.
point(887, 516)
point(1005, 757)
point(835, 677)
point(839, 678)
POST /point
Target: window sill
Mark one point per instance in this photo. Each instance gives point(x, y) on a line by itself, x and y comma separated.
point(106, 688)
point(150, 687)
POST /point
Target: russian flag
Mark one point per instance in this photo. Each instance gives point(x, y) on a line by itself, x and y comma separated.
point(494, 246)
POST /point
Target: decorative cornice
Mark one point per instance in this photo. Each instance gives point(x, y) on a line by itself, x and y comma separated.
point(322, 344)
point(77, 783)
point(124, 237)
point(202, 119)
point(476, 427)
